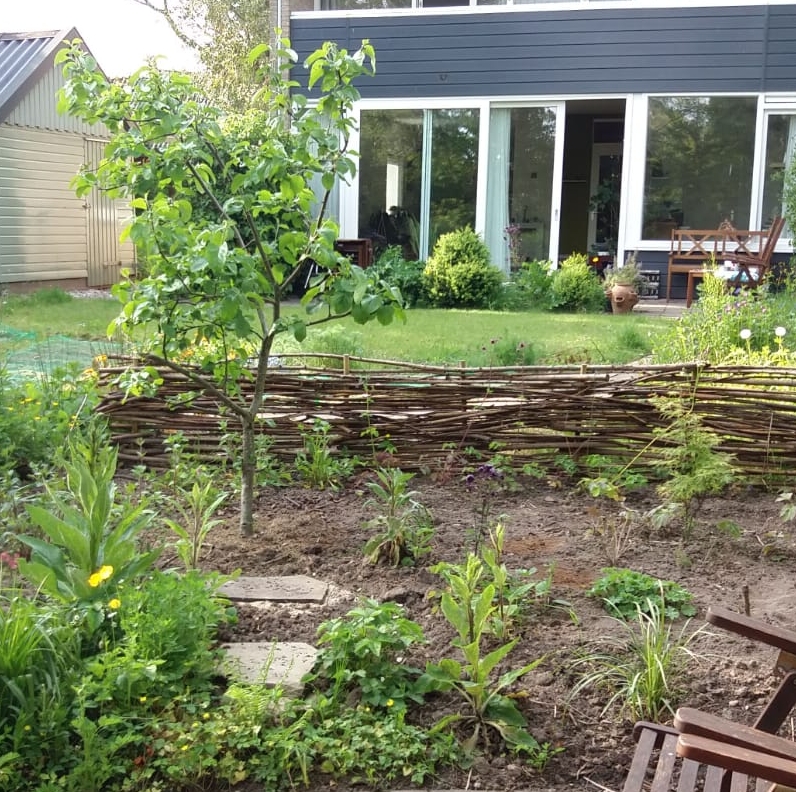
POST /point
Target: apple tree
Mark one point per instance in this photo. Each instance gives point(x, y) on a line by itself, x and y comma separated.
point(229, 211)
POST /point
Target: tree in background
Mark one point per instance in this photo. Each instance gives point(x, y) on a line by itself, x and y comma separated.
point(222, 33)
point(226, 218)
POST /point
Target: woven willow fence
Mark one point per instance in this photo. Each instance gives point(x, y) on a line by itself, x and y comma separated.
point(533, 414)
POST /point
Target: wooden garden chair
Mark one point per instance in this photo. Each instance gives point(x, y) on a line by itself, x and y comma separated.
point(708, 753)
point(705, 753)
point(753, 268)
point(784, 698)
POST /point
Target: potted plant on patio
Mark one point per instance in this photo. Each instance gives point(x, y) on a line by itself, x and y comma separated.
point(622, 284)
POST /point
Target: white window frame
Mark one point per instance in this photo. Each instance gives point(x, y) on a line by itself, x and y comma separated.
point(630, 223)
point(349, 193)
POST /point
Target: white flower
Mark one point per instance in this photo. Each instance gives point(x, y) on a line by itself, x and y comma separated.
point(746, 334)
point(779, 331)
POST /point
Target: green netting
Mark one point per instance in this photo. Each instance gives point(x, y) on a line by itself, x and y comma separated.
point(24, 356)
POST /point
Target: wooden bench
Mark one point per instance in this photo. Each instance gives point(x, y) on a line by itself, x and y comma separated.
point(692, 249)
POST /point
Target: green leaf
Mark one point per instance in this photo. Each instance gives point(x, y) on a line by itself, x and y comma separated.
point(489, 661)
point(61, 534)
point(502, 710)
point(299, 331)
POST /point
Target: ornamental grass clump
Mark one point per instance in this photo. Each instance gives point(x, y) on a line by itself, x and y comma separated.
point(642, 668)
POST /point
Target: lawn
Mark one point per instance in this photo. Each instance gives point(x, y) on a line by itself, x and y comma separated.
point(479, 338)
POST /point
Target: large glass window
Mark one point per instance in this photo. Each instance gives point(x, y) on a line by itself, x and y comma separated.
point(418, 175)
point(780, 148)
point(699, 163)
point(520, 181)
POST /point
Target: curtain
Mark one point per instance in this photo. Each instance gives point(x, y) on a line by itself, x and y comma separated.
point(497, 190)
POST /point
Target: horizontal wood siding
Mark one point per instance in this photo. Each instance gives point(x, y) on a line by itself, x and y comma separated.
point(42, 223)
point(781, 50)
point(578, 51)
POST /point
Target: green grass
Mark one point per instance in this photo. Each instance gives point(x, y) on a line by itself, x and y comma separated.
point(54, 312)
point(479, 338)
point(483, 338)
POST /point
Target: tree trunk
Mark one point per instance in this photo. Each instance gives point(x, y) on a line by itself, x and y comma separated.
point(248, 465)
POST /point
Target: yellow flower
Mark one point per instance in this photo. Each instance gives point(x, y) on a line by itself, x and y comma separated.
point(100, 576)
point(390, 702)
point(205, 716)
point(26, 728)
point(114, 604)
point(142, 699)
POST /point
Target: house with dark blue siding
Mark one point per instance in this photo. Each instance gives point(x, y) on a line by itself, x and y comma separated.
point(592, 125)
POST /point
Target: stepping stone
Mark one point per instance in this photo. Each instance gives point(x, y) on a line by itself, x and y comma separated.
point(290, 588)
point(273, 663)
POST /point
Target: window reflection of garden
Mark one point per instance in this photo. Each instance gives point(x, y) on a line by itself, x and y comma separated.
point(700, 153)
point(395, 183)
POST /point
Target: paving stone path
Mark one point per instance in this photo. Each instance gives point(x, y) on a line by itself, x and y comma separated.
point(272, 662)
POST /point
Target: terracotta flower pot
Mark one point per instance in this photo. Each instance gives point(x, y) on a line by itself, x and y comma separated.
point(622, 297)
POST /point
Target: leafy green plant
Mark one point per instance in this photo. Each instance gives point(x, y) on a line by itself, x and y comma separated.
point(490, 707)
point(713, 329)
point(640, 668)
point(38, 652)
point(688, 450)
point(404, 528)
point(196, 507)
point(624, 591)
point(529, 287)
point(39, 414)
point(317, 463)
point(459, 272)
point(374, 747)
point(575, 286)
point(172, 619)
point(512, 597)
point(92, 541)
point(407, 276)
point(360, 651)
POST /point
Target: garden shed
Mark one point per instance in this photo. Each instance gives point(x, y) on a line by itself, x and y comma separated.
point(47, 234)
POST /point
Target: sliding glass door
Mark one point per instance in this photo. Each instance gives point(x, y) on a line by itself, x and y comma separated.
point(418, 176)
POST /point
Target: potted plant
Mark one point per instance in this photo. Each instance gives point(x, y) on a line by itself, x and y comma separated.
point(622, 284)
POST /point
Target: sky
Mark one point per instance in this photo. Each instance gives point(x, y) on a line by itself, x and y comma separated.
point(121, 34)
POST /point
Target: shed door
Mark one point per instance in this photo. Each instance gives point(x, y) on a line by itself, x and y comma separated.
point(105, 254)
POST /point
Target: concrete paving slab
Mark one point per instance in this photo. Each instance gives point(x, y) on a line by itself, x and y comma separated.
point(288, 588)
point(273, 663)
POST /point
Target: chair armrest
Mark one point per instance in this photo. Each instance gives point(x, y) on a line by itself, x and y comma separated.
point(702, 724)
point(758, 630)
point(739, 760)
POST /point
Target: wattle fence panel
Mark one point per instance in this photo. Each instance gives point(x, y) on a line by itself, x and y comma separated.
point(425, 414)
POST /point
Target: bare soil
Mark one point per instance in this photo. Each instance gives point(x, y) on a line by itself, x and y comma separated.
point(549, 524)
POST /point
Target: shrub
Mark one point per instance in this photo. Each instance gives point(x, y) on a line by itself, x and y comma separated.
point(407, 276)
point(575, 287)
point(459, 273)
point(37, 416)
point(530, 286)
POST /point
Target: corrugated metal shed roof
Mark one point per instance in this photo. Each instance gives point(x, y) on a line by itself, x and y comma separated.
point(23, 58)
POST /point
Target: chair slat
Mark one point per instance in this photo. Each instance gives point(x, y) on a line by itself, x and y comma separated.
point(638, 769)
point(688, 776)
point(663, 772)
